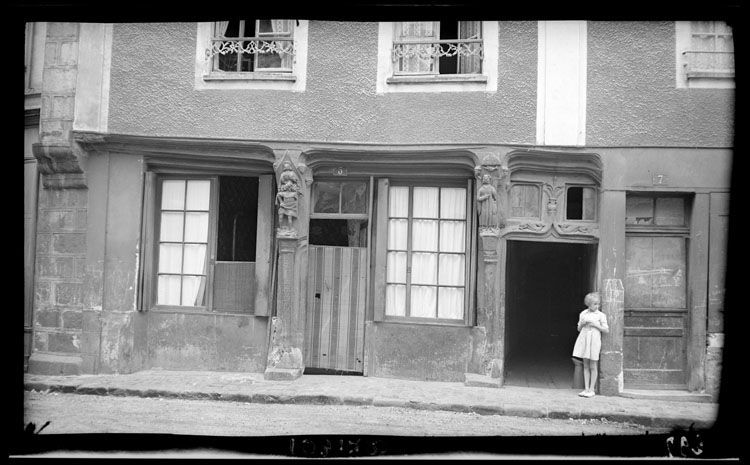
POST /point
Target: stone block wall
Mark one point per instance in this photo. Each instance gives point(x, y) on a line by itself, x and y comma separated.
point(59, 283)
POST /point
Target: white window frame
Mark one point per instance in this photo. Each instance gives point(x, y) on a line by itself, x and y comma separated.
point(207, 79)
point(389, 81)
point(683, 42)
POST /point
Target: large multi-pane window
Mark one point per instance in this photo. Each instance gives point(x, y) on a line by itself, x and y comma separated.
point(200, 242)
point(438, 47)
point(183, 242)
point(426, 252)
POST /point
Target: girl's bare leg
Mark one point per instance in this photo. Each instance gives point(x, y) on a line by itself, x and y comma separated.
point(586, 373)
point(594, 374)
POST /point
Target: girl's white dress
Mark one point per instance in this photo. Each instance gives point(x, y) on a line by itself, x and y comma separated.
point(589, 341)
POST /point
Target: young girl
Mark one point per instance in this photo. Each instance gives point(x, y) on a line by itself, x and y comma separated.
point(591, 324)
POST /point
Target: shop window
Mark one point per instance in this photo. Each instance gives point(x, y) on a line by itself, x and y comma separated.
point(655, 211)
point(426, 256)
point(580, 203)
point(203, 243)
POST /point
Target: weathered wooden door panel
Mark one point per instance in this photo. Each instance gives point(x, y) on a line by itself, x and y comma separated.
point(654, 345)
point(655, 333)
point(337, 280)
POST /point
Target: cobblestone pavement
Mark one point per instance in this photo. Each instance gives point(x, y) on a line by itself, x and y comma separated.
point(358, 390)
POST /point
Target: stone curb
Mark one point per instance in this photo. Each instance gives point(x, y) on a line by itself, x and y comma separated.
point(375, 401)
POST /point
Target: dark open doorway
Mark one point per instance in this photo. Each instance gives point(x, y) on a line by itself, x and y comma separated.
point(545, 286)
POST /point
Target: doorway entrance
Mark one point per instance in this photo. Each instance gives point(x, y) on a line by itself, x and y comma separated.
point(545, 286)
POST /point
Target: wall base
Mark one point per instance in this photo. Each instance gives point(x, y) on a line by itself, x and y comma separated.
point(476, 380)
point(54, 365)
point(282, 374)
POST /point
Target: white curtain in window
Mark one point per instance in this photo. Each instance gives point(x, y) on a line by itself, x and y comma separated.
point(452, 236)
point(221, 29)
point(395, 300)
point(423, 302)
point(168, 290)
point(426, 202)
point(418, 30)
point(424, 268)
point(397, 234)
point(470, 64)
point(451, 301)
point(424, 235)
point(398, 202)
point(396, 267)
point(453, 203)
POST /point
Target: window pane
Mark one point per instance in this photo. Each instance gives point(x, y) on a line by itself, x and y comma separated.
point(589, 203)
point(355, 197)
point(196, 227)
point(424, 235)
point(670, 211)
point(395, 300)
point(396, 267)
point(423, 302)
point(274, 26)
point(168, 290)
point(424, 268)
point(451, 270)
point(655, 272)
point(397, 234)
point(171, 227)
point(452, 236)
point(416, 58)
point(426, 202)
point(170, 258)
point(173, 195)
point(453, 203)
point(639, 210)
point(326, 197)
point(194, 259)
point(451, 303)
point(398, 202)
point(198, 195)
point(193, 291)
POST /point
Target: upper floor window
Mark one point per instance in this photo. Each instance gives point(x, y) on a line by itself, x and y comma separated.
point(438, 47)
point(705, 54)
point(253, 45)
point(268, 54)
point(437, 56)
point(711, 52)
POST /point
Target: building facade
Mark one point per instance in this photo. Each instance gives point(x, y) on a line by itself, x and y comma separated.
point(424, 200)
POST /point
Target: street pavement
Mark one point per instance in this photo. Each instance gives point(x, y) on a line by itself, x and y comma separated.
point(359, 390)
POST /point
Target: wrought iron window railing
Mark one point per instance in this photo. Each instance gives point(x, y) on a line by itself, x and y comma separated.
point(281, 46)
point(435, 49)
point(709, 63)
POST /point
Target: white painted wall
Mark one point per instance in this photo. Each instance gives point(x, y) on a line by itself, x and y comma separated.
point(561, 83)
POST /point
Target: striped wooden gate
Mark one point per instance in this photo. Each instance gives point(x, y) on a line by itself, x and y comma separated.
point(337, 284)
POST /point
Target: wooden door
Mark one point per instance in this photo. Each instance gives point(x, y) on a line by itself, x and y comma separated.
point(656, 314)
point(337, 284)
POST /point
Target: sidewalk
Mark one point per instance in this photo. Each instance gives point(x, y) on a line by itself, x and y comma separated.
point(359, 390)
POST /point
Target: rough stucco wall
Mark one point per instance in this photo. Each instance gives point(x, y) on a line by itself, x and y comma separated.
point(632, 96)
point(152, 93)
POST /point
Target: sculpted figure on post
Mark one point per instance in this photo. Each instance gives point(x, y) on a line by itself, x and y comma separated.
point(487, 208)
point(287, 199)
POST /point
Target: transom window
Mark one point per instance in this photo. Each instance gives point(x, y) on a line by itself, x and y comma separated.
point(437, 47)
point(253, 45)
point(580, 203)
point(426, 252)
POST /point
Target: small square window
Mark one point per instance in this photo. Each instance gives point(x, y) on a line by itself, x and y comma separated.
point(580, 203)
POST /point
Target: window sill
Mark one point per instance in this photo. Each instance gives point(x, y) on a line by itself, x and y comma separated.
point(423, 321)
point(439, 78)
point(284, 77)
point(195, 311)
point(710, 75)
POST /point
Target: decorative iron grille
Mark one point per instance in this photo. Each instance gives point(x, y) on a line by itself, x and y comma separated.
point(702, 63)
point(435, 49)
point(251, 45)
